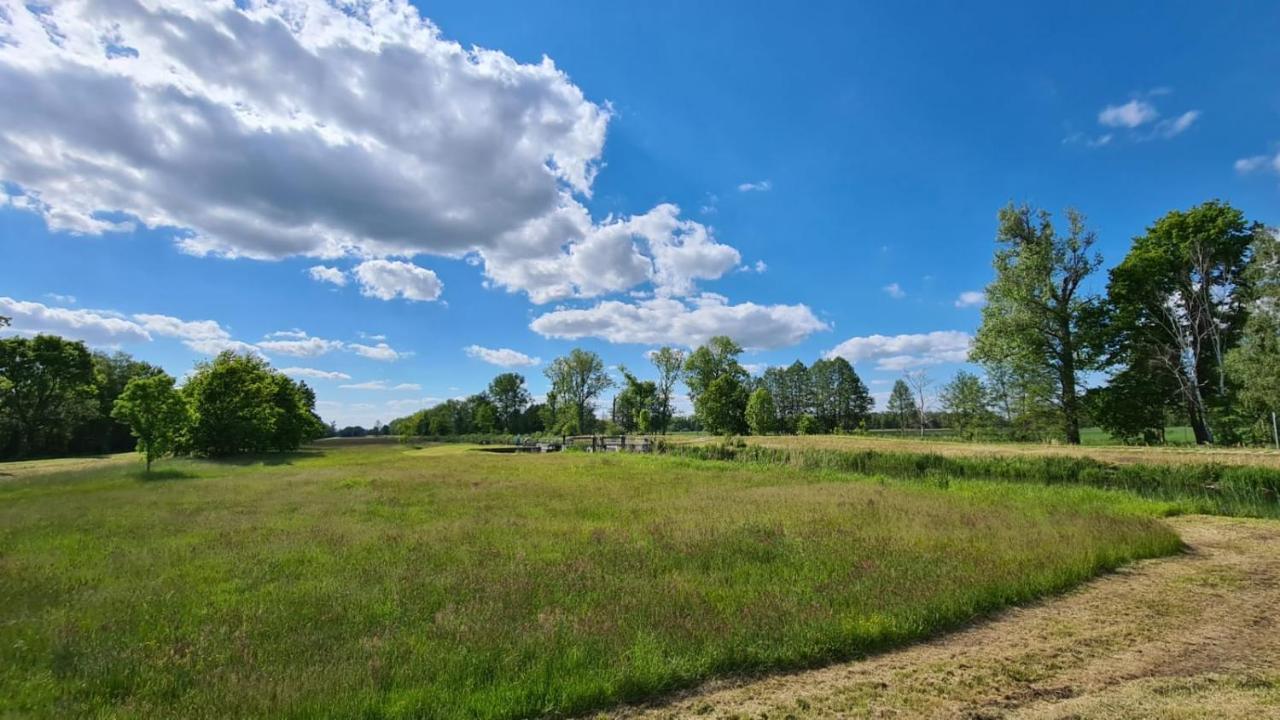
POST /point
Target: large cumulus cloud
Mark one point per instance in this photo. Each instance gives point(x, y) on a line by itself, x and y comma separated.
point(268, 129)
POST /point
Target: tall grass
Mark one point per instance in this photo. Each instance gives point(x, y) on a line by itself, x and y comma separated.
point(379, 581)
point(1197, 487)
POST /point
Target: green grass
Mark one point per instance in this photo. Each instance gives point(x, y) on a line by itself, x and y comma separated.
point(379, 581)
point(1173, 435)
point(1237, 490)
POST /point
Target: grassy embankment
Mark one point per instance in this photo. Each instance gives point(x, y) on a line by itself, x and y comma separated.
point(1197, 484)
point(379, 581)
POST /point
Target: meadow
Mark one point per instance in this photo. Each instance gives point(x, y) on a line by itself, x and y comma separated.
point(377, 580)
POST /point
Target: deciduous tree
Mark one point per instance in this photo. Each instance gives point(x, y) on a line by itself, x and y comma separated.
point(155, 413)
point(762, 416)
point(1178, 304)
point(577, 379)
point(1037, 312)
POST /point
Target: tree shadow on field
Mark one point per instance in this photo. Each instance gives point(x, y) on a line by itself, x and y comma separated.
point(163, 474)
point(270, 459)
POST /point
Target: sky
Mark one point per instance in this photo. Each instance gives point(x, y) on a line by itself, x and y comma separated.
point(395, 202)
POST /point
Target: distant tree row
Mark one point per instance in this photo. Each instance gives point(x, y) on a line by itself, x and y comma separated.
point(57, 397)
point(826, 397)
point(1188, 328)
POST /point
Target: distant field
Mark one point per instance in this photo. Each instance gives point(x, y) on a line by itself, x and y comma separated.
point(1106, 453)
point(379, 581)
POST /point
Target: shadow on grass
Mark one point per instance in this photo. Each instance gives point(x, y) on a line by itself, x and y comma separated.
point(163, 474)
point(268, 458)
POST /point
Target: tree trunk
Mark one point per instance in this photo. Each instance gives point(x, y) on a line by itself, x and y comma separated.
point(1070, 403)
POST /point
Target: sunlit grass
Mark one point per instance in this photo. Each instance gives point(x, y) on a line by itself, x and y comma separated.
point(383, 581)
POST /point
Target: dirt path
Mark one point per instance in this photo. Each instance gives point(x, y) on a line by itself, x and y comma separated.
point(1194, 636)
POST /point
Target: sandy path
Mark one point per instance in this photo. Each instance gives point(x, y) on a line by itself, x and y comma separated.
point(1194, 636)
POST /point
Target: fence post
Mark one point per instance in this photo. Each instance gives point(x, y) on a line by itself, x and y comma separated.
point(1275, 435)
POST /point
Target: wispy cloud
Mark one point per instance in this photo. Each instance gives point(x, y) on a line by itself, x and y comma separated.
point(895, 291)
point(971, 298)
point(759, 186)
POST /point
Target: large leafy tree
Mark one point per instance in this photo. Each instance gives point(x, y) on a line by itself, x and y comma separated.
point(968, 403)
point(901, 403)
point(1038, 313)
point(510, 397)
point(238, 404)
point(111, 374)
point(1178, 304)
point(48, 393)
point(718, 385)
point(840, 399)
point(1254, 364)
point(762, 416)
point(792, 391)
point(155, 413)
point(636, 406)
point(577, 379)
point(670, 364)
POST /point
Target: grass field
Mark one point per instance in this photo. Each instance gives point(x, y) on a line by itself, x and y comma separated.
point(381, 581)
point(1120, 454)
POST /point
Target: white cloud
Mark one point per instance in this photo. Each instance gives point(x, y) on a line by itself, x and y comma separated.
point(206, 337)
point(326, 130)
point(93, 327)
point(217, 346)
point(381, 351)
point(314, 374)
point(381, 385)
point(502, 357)
point(1135, 114)
point(971, 298)
point(759, 186)
point(1173, 127)
point(388, 279)
point(895, 291)
point(295, 334)
point(368, 336)
point(1258, 163)
point(63, 299)
point(1129, 115)
point(898, 352)
point(663, 321)
point(370, 385)
point(308, 347)
point(609, 257)
point(326, 274)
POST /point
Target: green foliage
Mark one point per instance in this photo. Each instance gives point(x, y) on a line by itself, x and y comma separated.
point(840, 399)
point(380, 582)
point(762, 416)
point(638, 397)
point(1037, 317)
point(717, 384)
point(670, 365)
point(510, 398)
point(722, 407)
point(240, 405)
point(967, 401)
point(155, 413)
point(1254, 365)
point(1178, 305)
point(902, 405)
point(577, 379)
point(808, 425)
point(48, 393)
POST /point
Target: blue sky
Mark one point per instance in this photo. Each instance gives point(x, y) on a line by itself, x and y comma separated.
point(837, 169)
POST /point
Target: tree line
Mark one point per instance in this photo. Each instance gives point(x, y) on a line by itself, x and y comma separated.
point(1187, 329)
point(825, 397)
point(58, 397)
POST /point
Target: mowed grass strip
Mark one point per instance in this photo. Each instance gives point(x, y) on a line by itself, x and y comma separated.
point(443, 583)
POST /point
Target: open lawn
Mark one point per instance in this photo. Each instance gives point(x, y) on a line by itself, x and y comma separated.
point(381, 581)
